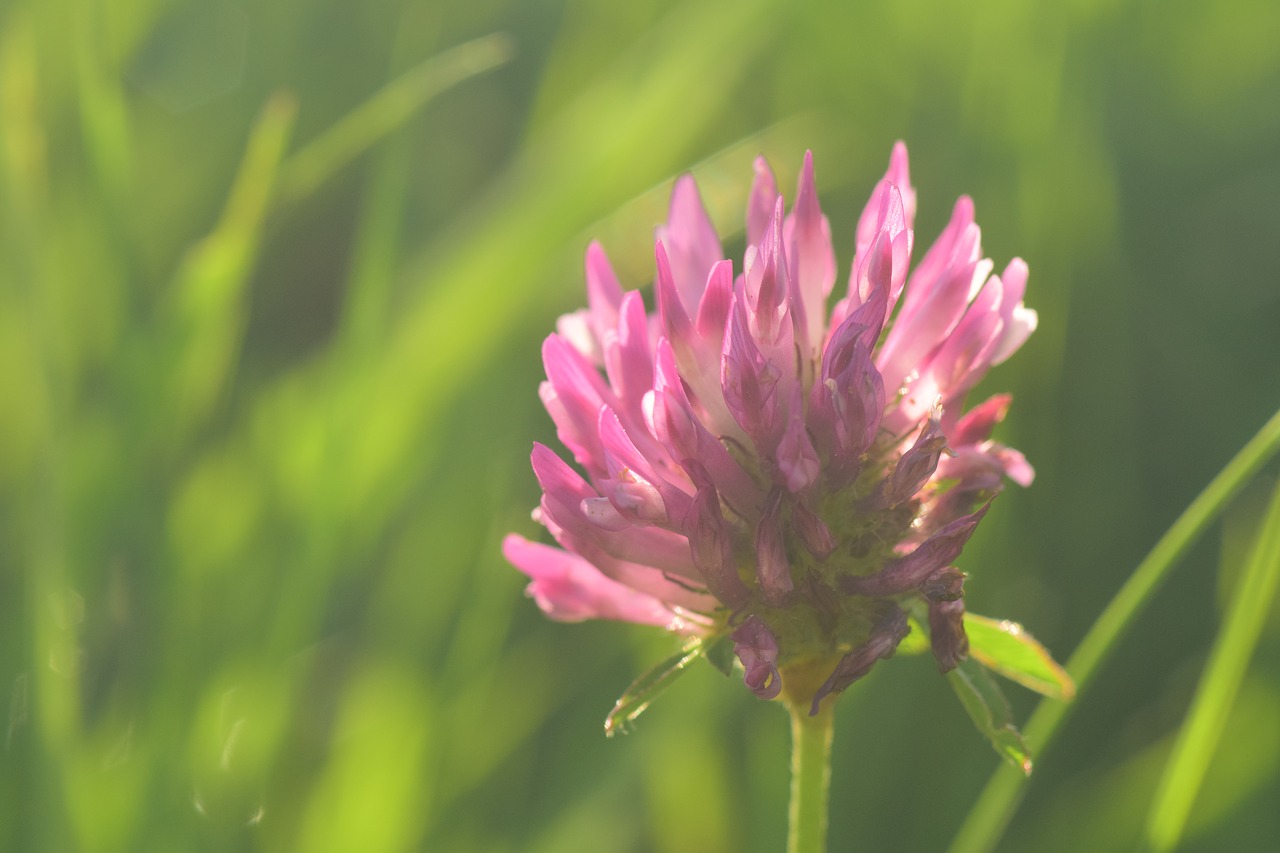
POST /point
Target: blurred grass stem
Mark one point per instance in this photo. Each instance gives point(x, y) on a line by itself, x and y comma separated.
point(387, 110)
point(1203, 729)
point(999, 799)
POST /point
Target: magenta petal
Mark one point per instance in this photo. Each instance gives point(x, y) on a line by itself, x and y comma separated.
point(757, 649)
point(899, 175)
point(676, 325)
point(717, 299)
point(773, 569)
point(909, 572)
point(749, 380)
point(678, 429)
point(573, 395)
point(764, 189)
point(813, 531)
point(1019, 320)
point(797, 460)
point(847, 399)
point(978, 422)
point(569, 589)
point(697, 346)
point(564, 492)
point(635, 486)
point(1015, 465)
point(935, 298)
point(766, 285)
point(810, 236)
point(691, 242)
point(947, 635)
point(604, 294)
point(962, 359)
point(813, 261)
point(882, 643)
point(685, 593)
point(916, 465)
point(890, 227)
point(710, 540)
point(627, 359)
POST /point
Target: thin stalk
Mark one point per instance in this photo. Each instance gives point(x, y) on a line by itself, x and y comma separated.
point(810, 777)
point(991, 814)
point(1207, 720)
point(810, 754)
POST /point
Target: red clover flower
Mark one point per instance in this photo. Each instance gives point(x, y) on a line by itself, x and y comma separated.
point(752, 465)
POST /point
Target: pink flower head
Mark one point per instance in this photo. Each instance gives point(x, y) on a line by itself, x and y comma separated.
point(754, 465)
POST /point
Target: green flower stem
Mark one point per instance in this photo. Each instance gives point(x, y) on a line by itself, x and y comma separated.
point(810, 755)
point(810, 777)
point(991, 814)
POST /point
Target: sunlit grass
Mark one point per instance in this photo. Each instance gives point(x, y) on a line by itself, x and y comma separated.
point(268, 366)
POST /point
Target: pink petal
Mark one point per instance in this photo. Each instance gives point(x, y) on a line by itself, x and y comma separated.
point(604, 294)
point(673, 423)
point(573, 394)
point(765, 283)
point(773, 569)
point(935, 298)
point(697, 348)
point(917, 465)
point(564, 493)
point(888, 223)
point(977, 424)
point(691, 242)
point(749, 381)
point(1019, 321)
point(899, 175)
point(636, 488)
point(710, 540)
point(813, 260)
point(569, 589)
point(764, 189)
point(627, 360)
point(676, 325)
point(797, 460)
point(757, 649)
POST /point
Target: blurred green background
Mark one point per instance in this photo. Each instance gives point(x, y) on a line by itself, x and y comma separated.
point(272, 287)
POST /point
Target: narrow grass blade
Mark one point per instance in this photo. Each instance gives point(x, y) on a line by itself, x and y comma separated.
point(1205, 723)
point(999, 799)
point(212, 278)
point(389, 108)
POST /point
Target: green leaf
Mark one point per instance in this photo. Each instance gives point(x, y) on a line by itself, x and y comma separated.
point(647, 687)
point(1006, 648)
point(990, 712)
point(719, 653)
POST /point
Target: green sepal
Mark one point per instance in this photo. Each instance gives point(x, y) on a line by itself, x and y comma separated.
point(647, 687)
point(1006, 648)
point(719, 653)
point(990, 712)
